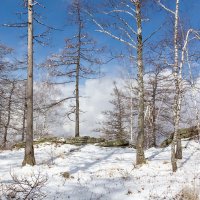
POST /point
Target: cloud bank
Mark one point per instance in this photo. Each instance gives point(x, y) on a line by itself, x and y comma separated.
point(95, 96)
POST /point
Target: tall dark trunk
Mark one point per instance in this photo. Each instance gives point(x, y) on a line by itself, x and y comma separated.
point(140, 158)
point(29, 157)
point(77, 114)
point(77, 123)
point(153, 144)
point(24, 121)
point(9, 116)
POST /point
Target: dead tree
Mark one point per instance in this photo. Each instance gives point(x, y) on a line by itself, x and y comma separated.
point(7, 124)
point(114, 127)
point(79, 58)
point(29, 157)
point(159, 92)
point(32, 16)
point(7, 86)
point(4, 70)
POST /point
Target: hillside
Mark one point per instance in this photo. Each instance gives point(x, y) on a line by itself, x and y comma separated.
point(105, 173)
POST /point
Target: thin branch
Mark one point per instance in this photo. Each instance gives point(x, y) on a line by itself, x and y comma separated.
point(163, 6)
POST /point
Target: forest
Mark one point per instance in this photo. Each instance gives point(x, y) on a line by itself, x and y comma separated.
point(100, 99)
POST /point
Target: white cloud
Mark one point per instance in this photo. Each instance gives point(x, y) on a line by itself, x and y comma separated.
point(95, 95)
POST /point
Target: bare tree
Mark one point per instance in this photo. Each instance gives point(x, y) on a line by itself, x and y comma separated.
point(123, 13)
point(131, 94)
point(159, 92)
point(7, 124)
point(140, 158)
point(115, 124)
point(24, 117)
point(78, 59)
point(176, 149)
point(41, 38)
point(29, 157)
point(4, 69)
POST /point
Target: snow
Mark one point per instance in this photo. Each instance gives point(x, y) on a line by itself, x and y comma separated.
point(106, 173)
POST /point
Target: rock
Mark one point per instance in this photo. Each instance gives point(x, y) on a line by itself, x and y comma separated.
point(132, 146)
point(65, 175)
point(114, 143)
point(41, 141)
point(73, 140)
point(84, 140)
point(182, 133)
point(19, 145)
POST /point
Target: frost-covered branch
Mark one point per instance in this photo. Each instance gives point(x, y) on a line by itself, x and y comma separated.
point(164, 7)
point(109, 33)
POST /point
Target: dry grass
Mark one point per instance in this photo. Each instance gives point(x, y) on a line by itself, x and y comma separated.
point(188, 193)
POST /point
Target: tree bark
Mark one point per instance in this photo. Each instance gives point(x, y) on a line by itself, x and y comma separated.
point(29, 157)
point(155, 84)
point(131, 117)
point(77, 123)
point(9, 115)
point(175, 140)
point(24, 121)
point(140, 158)
point(77, 114)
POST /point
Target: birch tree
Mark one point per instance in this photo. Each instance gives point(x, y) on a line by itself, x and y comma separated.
point(179, 59)
point(123, 14)
point(140, 158)
point(194, 92)
point(131, 93)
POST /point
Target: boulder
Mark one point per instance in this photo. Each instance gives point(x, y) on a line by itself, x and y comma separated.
point(41, 140)
point(65, 175)
point(73, 140)
point(182, 133)
point(83, 140)
point(114, 143)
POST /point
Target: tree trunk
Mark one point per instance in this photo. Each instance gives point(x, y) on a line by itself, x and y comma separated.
point(77, 115)
point(77, 133)
point(153, 144)
point(140, 158)
point(0, 122)
point(29, 157)
point(177, 95)
point(131, 129)
point(9, 115)
point(24, 121)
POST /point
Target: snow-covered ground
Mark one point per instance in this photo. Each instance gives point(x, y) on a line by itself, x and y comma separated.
point(106, 173)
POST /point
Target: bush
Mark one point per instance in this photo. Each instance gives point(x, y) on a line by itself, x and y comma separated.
point(26, 187)
point(114, 143)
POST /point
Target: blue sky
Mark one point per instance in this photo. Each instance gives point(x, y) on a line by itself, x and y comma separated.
point(55, 15)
